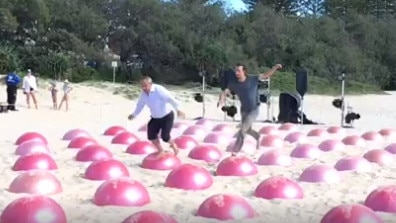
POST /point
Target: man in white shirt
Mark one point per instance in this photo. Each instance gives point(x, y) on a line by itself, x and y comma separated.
point(29, 86)
point(160, 101)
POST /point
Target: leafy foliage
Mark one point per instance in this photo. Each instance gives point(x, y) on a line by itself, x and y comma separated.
point(175, 39)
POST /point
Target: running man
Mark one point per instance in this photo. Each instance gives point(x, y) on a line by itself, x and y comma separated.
point(160, 101)
point(246, 88)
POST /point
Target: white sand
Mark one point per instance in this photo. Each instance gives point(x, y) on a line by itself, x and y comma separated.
point(95, 109)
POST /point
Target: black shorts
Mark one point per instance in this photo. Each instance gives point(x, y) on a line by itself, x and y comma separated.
point(163, 125)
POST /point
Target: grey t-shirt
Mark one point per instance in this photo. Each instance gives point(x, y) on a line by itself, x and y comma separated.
point(247, 92)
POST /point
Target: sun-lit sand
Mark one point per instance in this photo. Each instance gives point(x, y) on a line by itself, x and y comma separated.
point(95, 107)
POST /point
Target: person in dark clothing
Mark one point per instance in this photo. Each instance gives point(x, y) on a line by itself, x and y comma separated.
point(246, 88)
point(12, 82)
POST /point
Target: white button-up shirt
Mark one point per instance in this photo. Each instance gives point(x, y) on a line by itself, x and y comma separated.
point(29, 82)
point(159, 100)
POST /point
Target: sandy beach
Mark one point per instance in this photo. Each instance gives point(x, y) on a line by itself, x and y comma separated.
point(95, 107)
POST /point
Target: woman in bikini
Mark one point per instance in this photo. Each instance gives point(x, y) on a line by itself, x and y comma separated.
point(66, 91)
point(54, 95)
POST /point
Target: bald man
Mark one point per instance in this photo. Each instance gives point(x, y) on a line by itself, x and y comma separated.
point(160, 101)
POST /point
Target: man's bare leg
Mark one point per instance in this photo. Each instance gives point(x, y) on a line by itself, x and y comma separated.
point(157, 144)
point(174, 147)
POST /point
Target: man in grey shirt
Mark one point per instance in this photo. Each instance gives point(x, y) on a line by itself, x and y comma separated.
point(246, 88)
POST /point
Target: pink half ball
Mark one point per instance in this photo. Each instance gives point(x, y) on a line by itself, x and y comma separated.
point(330, 145)
point(320, 173)
point(306, 151)
point(274, 157)
point(355, 163)
point(296, 137)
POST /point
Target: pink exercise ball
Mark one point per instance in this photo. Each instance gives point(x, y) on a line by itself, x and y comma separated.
point(269, 130)
point(75, 133)
point(217, 138)
point(236, 166)
point(180, 125)
point(189, 177)
point(226, 207)
point(288, 127)
point(307, 151)
point(382, 199)
point(353, 140)
point(206, 152)
point(36, 182)
point(207, 124)
point(106, 170)
point(31, 146)
point(81, 142)
point(165, 161)
point(317, 133)
point(247, 147)
point(121, 192)
point(124, 138)
point(331, 145)
point(28, 136)
point(274, 157)
point(35, 161)
point(33, 209)
point(320, 173)
point(93, 153)
point(379, 156)
point(141, 147)
point(351, 213)
point(391, 148)
point(185, 142)
point(335, 130)
point(114, 130)
point(196, 131)
point(372, 136)
point(355, 163)
point(147, 216)
point(224, 128)
point(279, 187)
point(272, 141)
point(387, 132)
point(143, 128)
point(296, 137)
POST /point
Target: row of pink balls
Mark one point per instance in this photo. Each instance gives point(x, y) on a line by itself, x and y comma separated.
point(91, 152)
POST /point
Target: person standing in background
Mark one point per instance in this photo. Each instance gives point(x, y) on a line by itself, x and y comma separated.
point(29, 87)
point(54, 95)
point(66, 91)
point(12, 82)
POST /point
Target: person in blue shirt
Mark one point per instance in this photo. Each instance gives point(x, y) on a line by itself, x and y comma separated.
point(12, 82)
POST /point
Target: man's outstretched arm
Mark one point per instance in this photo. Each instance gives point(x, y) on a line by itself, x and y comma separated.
point(269, 73)
point(138, 108)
